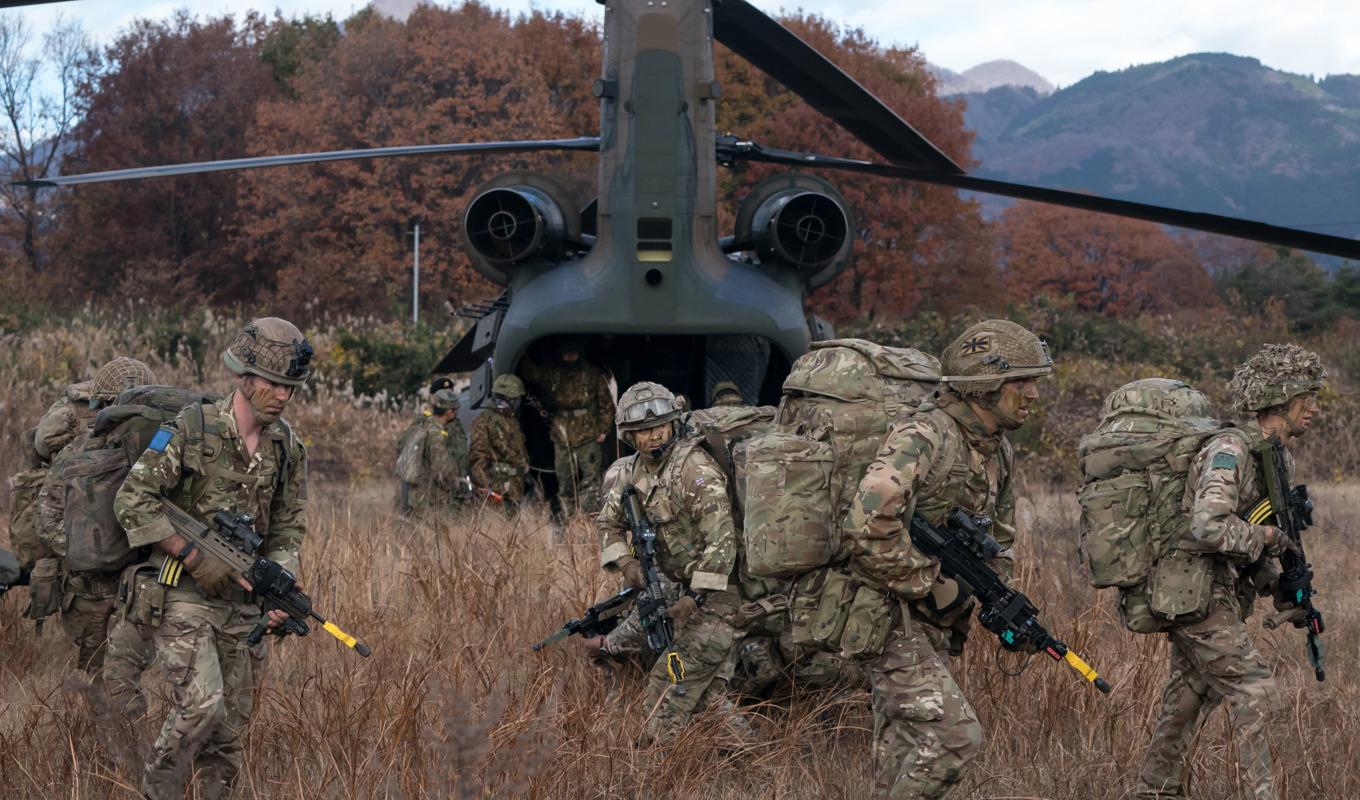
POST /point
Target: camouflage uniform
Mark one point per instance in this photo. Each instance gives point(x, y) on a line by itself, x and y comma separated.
point(925, 731)
point(684, 495)
point(1213, 660)
point(580, 410)
point(726, 393)
point(434, 458)
point(66, 418)
point(496, 455)
point(201, 639)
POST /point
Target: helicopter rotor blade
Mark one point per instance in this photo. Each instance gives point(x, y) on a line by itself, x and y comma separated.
point(779, 53)
point(731, 150)
point(585, 143)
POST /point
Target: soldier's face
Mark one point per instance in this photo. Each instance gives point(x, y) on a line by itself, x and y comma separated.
point(1013, 407)
point(267, 399)
point(649, 439)
point(1300, 412)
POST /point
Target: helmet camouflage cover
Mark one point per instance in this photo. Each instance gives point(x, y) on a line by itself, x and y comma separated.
point(1273, 376)
point(272, 348)
point(446, 399)
point(645, 405)
point(118, 376)
point(992, 352)
point(508, 386)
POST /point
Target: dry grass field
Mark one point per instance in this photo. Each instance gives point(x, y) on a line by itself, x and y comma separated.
point(453, 703)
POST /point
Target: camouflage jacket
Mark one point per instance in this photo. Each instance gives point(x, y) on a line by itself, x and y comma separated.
point(52, 495)
point(1225, 481)
point(440, 450)
point(577, 399)
point(936, 460)
point(24, 520)
point(685, 498)
point(64, 420)
point(496, 454)
point(218, 475)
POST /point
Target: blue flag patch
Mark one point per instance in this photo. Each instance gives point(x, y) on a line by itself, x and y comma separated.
point(160, 440)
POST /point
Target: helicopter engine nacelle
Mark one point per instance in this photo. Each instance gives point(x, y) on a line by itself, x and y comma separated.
point(798, 220)
point(516, 218)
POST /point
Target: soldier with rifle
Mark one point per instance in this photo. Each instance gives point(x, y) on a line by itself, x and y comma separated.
point(950, 455)
point(235, 456)
point(1242, 516)
point(667, 512)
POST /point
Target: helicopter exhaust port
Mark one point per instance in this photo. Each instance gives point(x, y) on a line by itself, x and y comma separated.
point(795, 220)
point(518, 218)
point(507, 226)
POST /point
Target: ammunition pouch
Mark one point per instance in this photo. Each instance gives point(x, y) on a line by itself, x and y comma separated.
point(1135, 611)
point(141, 596)
point(834, 611)
point(45, 588)
point(1180, 588)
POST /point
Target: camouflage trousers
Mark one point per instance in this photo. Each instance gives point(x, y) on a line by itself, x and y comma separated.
point(1212, 661)
point(85, 612)
point(705, 646)
point(212, 675)
point(130, 652)
point(925, 733)
point(579, 472)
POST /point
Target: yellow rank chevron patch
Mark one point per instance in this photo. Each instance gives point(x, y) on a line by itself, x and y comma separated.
point(171, 571)
point(1260, 512)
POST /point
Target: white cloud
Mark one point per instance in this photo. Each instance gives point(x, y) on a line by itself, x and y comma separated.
point(1063, 40)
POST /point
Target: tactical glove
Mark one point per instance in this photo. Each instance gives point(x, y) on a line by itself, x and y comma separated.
point(681, 610)
point(632, 573)
point(212, 575)
point(946, 596)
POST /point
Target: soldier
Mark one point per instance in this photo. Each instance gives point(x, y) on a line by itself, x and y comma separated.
point(87, 597)
point(236, 456)
point(433, 465)
point(726, 393)
point(579, 409)
point(950, 454)
point(497, 456)
point(684, 495)
point(1213, 660)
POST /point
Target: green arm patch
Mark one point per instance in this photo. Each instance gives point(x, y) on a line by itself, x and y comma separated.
point(1224, 461)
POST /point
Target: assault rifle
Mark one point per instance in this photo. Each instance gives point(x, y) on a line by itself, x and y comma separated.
point(964, 547)
point(652, 602)
point(232, 539)
point(1293, 513)
point(593, 622)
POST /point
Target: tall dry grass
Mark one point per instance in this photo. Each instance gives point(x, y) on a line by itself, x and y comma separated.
point(453, 703)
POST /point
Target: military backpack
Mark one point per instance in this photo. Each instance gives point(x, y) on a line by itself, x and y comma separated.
point(799, 480)
point(1134, 469)
point(92, 476)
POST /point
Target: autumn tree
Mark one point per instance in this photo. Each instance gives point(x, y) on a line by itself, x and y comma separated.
point(35, 122)
point(337, 234)
point(915, 243)
point(168, 92)
point(1111, 265)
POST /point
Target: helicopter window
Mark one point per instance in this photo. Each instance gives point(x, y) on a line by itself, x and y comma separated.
point(654, 228)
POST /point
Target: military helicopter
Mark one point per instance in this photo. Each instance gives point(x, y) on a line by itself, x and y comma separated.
point(642, 276)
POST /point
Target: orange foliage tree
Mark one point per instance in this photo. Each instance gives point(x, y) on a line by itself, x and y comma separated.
point(181, 90)
point(336, 235)
point(915, 243)
point(1106, 264)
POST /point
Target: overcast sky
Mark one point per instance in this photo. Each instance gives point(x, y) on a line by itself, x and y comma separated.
point(1063, 40)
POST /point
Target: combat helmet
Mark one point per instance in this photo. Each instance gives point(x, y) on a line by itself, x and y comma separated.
point(446, 399)
point(118, 376)
point(726, 393)
point(645, 405)
point(1273, 376)
point(272, 348)
point(508, 386)
point(992, 352)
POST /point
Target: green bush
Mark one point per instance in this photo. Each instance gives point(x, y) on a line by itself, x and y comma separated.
point(388, 360)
